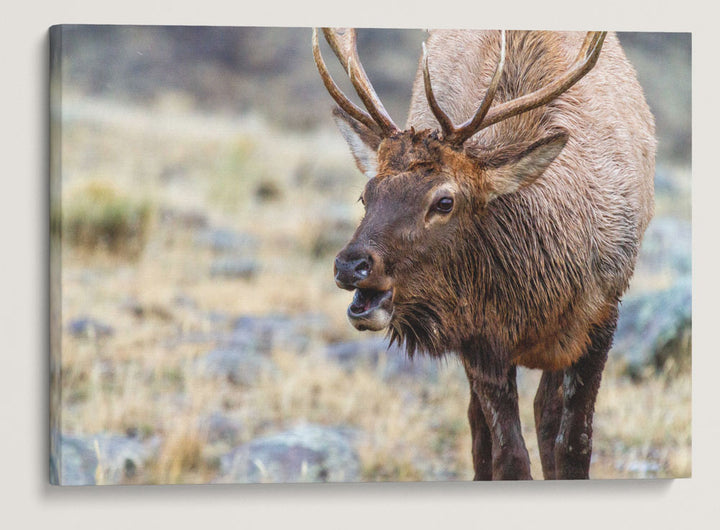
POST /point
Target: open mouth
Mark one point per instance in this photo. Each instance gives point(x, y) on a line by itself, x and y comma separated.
point(370, 309)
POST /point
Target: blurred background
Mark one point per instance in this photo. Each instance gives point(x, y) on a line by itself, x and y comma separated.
point(200, 192)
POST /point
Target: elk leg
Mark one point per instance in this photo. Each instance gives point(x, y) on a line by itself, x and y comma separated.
point(548, 411)
point(581, 383)
point(481, 440)
point(499, 403)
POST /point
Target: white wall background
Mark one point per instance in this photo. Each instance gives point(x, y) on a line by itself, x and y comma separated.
point(26, 499)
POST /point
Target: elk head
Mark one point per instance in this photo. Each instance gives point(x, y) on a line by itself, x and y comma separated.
point(410, 260)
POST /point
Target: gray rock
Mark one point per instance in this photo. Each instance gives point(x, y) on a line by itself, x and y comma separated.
point(234, 267)
point(666, 182)
point(223, 240)
point(221, 428)
point(375, 353)
point(188, 219)
point(307, 453)
point(666, 247)
point(638, 461)
point(76, 462)
point(654, 327)
point(263, 334)
point(86, 327)
point(184, 301)
point(642, 468)
point(240, 367)
point(103, 458)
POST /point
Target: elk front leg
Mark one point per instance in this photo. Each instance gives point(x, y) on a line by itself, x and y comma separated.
point(481, 439)
point(548, 411)
point(498, 401)
point(581, 382)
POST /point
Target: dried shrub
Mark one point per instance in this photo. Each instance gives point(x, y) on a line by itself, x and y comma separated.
point(97, 216)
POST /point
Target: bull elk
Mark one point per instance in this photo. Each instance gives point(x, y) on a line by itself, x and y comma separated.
point(507, 239)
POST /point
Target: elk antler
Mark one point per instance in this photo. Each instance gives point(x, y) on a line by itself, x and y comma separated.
point(337, 94)
point(485, 116)
point(344, 45)
point(450, 132)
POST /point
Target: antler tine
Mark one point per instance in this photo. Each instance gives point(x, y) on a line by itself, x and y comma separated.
point(347, 54)
point(588, 43)
point(587, 57)
point(340, 98)
point(442, 118)
point(470, 127)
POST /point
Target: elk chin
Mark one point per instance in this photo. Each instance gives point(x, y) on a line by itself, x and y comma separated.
point(371, 310)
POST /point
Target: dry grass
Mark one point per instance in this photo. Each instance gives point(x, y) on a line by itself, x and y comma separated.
point(97, 217)
point(142, 379)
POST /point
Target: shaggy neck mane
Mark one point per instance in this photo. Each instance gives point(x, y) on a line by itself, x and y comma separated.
point(503, 273)
point(438, 316)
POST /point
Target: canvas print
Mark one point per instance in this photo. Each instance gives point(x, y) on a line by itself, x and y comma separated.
point(285, 255)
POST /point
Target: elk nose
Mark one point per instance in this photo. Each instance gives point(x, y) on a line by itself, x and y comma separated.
point(348, 272)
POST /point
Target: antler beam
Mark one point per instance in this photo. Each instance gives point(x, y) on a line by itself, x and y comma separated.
point(344, 45)
point(586, 59)
point(487, 116)
point(340, 98)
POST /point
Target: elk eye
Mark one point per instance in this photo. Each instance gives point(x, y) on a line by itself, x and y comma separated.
point(362, 200)
point(444, 205)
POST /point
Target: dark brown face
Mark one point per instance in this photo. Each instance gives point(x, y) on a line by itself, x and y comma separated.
point(414, 258)
point(412, 210)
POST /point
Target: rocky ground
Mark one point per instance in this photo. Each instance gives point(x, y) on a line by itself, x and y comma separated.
point(232, 353)
point(202, 340)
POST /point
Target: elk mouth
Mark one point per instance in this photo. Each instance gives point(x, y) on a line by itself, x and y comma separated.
point(371, 309)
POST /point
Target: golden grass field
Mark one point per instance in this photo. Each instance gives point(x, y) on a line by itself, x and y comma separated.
point(243, 175)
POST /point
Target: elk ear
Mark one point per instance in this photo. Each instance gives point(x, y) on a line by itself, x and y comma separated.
point(515, 167)
point(363, 142)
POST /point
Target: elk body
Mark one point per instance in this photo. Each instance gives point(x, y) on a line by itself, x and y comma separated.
point(503, 223)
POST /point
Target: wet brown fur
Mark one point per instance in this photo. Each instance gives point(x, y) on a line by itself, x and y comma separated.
point(525, 277)
point(533, 270)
